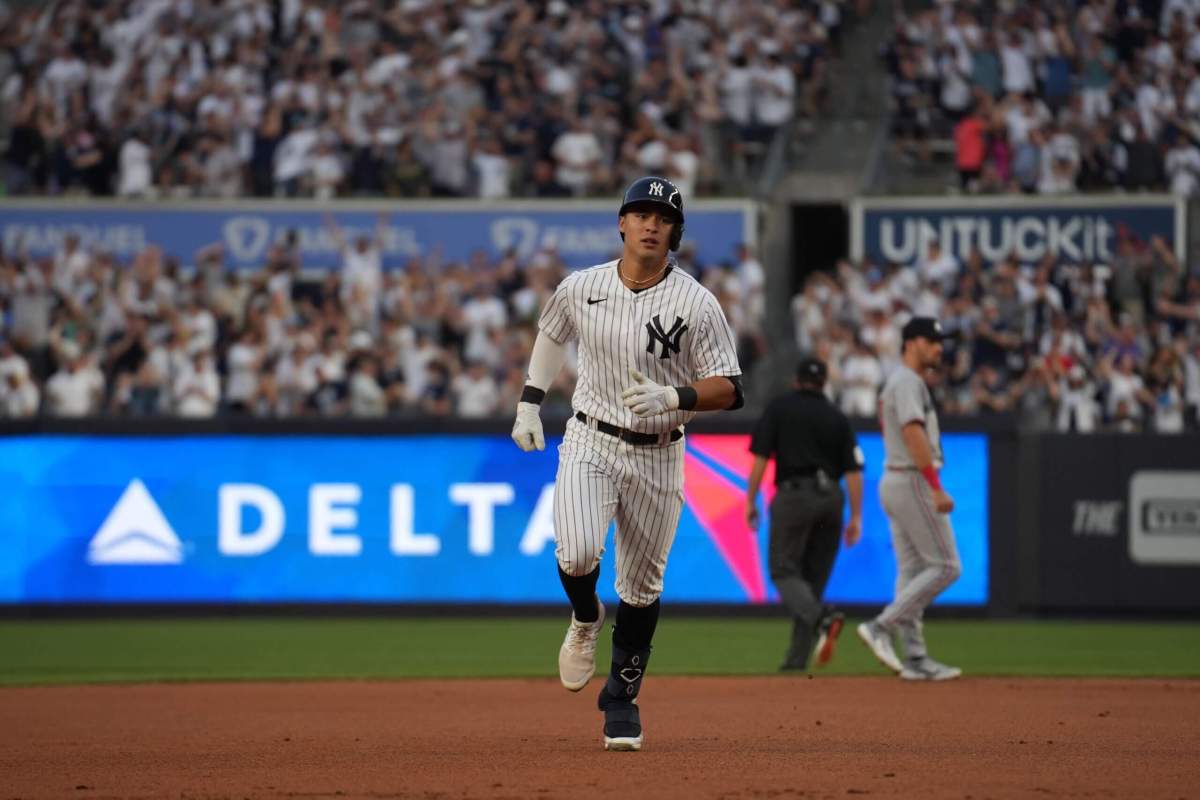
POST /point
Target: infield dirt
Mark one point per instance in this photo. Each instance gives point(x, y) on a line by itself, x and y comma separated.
point(705, 738)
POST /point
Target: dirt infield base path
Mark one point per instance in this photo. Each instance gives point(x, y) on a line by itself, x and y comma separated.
point(705, 738)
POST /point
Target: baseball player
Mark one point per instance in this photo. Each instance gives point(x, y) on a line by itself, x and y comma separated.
point(654, 348)
point(917, 507)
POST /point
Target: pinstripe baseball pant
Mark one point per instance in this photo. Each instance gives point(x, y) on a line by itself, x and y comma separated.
point(601, 478)
point(926, 556)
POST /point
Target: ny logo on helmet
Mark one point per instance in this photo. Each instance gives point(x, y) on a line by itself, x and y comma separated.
point(668, 339)
point(656, 189)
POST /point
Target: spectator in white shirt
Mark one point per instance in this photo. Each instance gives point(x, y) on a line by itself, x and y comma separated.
point(19, 396)
point(362, 264)
point(198, 322)
point(737, 94)
point(135, 176)
point(1077, 407)
point(774, 93)
point(493, 171)
point(331, 361)
point(296, 376)
point(861, 376)
point(76, 389)
point(367, 397)
point(197, 388)
point(482, 314)
point(325, 170)
point(70, 265)
point(475, 392)
point(1018, 71)
point(577, 153)
point(683, 164)
point(10, 359)
point(939, 267)
point(242, 364)
point(1124, 387)
point(1182, 166)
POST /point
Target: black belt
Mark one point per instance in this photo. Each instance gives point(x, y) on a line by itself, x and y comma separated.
point(633, 437)
point(797, 481)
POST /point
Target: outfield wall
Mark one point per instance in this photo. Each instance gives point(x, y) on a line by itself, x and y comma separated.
point(245, 513)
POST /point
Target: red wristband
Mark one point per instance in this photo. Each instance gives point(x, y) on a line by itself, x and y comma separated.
point(931, 476)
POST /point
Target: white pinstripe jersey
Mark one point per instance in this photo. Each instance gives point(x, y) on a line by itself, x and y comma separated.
point(674, 333)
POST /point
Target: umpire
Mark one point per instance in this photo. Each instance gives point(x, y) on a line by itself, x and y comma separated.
point(813, 446)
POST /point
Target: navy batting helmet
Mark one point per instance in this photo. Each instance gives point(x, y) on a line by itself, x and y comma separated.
point(661, 191)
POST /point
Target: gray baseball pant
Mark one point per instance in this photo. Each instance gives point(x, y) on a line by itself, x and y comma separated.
point(926, 556)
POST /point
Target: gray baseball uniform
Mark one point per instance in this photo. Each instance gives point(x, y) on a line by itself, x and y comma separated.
point(926, 556)
point(675, 333)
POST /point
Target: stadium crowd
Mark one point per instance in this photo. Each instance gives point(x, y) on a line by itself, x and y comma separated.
point(83, 335)
point(459, 98)
point(1066, 346)
point(1052, 97)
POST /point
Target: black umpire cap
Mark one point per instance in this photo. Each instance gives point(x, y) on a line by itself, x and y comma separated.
point(811, 370)
point(922, 328)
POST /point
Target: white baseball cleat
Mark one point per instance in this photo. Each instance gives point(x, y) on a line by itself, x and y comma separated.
point(926, 669)
point(623, 744)
point(879, 640)
point(622, 724)
point(577, 656)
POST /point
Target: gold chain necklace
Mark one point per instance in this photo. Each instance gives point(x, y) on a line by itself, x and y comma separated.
point(621, 275)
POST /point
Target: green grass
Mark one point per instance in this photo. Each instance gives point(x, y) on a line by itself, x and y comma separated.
point(49, 652)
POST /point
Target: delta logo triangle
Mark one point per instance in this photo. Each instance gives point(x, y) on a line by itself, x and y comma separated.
point(135, 532)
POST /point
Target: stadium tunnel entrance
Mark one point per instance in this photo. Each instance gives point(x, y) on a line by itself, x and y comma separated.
point(820, 237)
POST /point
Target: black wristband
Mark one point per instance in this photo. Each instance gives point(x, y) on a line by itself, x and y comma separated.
point(687, 397)
point(532, 394)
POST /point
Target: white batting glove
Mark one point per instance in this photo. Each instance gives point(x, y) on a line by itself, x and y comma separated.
point(646, 398)
point(527, 429)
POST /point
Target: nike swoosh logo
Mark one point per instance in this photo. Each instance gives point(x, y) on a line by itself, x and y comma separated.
point(592, 302)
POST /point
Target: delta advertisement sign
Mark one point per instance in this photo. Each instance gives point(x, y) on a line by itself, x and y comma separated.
point(1074, 229)
point(583, 233)
point(413, 519)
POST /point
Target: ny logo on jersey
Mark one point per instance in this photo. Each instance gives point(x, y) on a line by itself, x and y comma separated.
point(668, 339)
point(656, 189)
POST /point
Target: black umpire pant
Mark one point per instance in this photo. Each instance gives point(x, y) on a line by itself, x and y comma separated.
point(806, 522)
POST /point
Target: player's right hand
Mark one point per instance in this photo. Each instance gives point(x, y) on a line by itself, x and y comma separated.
point(943, 502)
point(527, 429)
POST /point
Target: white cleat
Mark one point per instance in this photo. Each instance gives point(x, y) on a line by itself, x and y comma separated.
point(879, 640)
point(623, 744)
point(926, 669)
point(577, 656)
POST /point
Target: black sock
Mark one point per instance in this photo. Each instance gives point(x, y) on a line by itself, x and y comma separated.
point(634, 628)
point(581, 591)
point(632, 634)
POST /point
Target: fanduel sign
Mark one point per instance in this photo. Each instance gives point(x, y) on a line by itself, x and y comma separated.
point(1077, 230)
point(582, 234)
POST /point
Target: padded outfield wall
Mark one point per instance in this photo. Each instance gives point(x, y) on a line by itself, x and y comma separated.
point(355, 514)
point(243, 513)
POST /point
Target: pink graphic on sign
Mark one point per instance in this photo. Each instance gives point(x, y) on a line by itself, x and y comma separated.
point(718, 503)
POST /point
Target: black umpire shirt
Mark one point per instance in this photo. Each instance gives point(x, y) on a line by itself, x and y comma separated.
point(805, 432)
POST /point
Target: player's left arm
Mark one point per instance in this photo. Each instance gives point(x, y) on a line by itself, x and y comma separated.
point(714, 350)
point(718, 386)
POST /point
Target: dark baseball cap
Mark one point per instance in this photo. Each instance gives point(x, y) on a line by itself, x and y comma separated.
point(811, 370)
point(923, 328)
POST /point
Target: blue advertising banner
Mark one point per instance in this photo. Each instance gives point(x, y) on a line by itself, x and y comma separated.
point(1075, 229)
point(457, 519)
point(584, 233)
